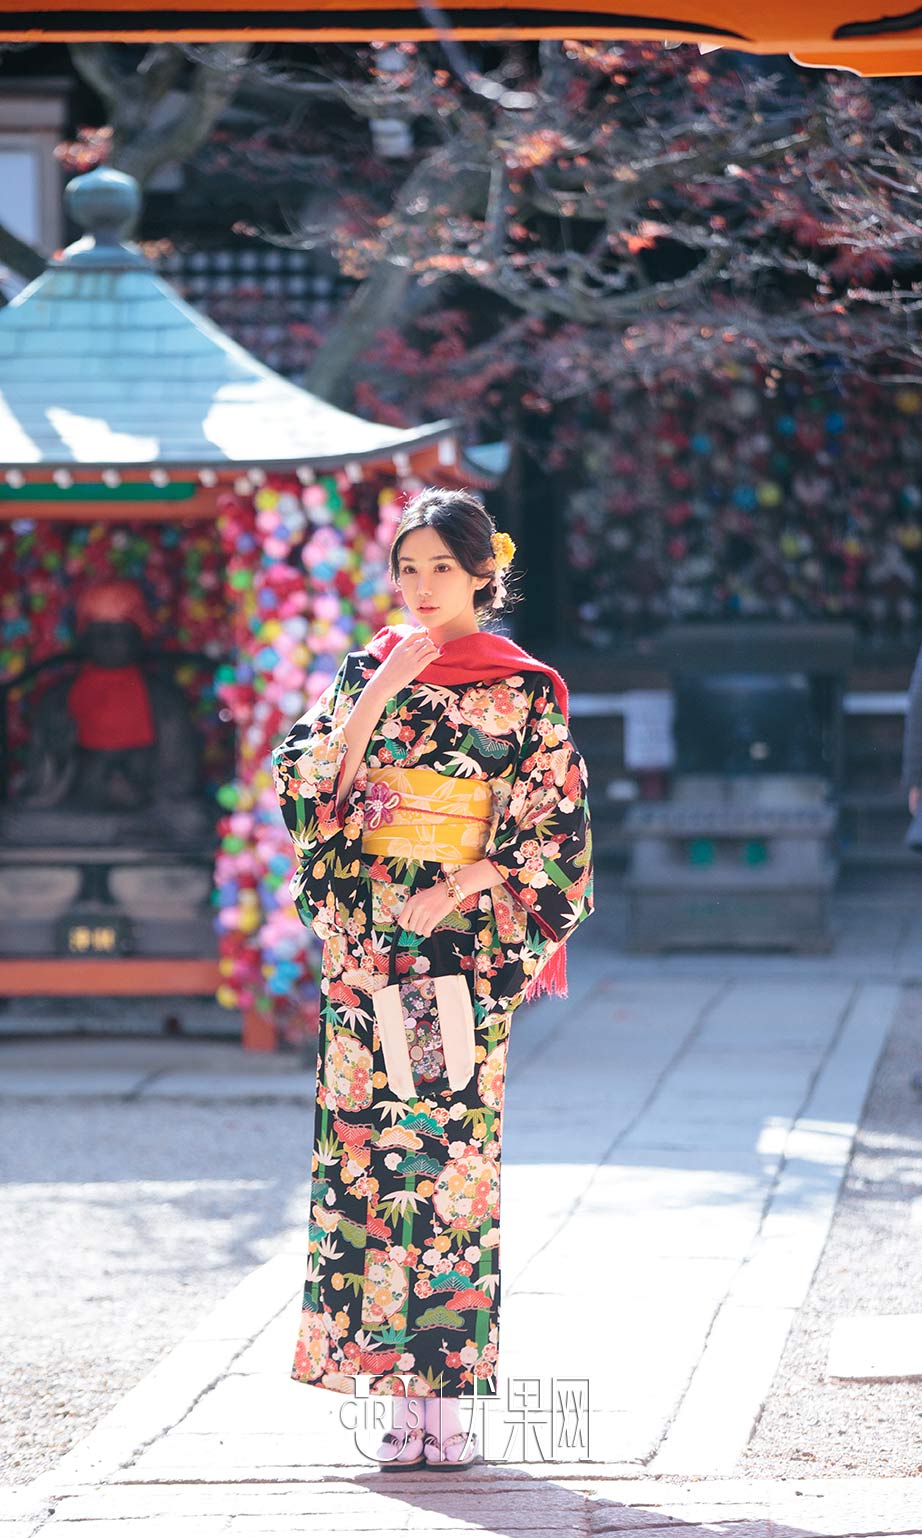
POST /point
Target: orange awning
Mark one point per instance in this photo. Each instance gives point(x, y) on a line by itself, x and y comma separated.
point(864, 36)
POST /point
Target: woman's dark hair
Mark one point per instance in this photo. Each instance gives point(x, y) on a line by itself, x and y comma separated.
point(467, 529)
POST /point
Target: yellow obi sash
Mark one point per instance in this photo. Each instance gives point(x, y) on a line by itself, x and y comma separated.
point(419, 814)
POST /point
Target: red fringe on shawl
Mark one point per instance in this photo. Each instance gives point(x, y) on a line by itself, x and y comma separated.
point(552, 978)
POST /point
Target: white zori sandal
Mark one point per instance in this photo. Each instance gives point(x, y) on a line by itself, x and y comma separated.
point(440, 1454)
point(401, 1449)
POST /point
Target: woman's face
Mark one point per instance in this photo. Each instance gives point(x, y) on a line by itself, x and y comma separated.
point(436, 589)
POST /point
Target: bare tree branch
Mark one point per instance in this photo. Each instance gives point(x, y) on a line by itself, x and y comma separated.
point(131, 98)
point(95, 64)
point(381, 298)
point(213, 88)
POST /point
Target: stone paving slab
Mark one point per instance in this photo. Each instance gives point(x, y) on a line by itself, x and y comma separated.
point(54, 1063)
point(286, 1085)
point(103, 1084)
point(868, 1346)
point(746, 1341)
point(50, 1083)
point(479, 1501)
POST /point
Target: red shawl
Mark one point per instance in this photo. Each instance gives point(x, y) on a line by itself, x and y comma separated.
point(471, 659)
point(483, 657)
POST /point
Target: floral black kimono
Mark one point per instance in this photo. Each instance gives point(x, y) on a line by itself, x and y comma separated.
point(403, 1278)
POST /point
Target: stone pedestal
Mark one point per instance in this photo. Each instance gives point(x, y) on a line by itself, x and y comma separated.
point(732, 861)
point(104, 904)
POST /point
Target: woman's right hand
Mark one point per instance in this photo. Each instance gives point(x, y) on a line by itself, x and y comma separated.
point(410, 657)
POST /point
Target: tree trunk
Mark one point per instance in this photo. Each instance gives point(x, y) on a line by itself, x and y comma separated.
point(385, 294)
point(378, 302)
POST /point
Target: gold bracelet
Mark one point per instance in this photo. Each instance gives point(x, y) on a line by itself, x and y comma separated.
point(454, 888)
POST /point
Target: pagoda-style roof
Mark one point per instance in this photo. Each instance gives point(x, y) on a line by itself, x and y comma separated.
point(102, 365)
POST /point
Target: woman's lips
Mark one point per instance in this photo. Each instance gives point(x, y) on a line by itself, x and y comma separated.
point(428, 608)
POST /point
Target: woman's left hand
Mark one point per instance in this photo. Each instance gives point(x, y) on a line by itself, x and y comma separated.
point(426, 908)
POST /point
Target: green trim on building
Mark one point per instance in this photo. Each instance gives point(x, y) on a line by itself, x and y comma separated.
point(89, 491)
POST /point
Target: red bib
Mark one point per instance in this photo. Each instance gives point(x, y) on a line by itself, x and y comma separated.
point(111, 707)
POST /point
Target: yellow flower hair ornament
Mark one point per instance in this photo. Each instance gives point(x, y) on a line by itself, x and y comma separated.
point(503, 549)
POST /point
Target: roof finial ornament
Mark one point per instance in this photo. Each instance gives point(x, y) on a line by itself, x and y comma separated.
point(106, 203)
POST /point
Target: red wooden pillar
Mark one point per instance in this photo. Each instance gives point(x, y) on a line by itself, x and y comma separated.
point(259, 1031)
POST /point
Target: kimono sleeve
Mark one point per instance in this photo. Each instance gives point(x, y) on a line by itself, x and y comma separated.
point(542, 844)
point(326, 834)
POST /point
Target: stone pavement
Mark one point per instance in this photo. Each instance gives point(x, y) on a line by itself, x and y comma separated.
point(674, 1146)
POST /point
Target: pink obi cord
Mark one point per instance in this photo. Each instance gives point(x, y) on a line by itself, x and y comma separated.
point(380, 802)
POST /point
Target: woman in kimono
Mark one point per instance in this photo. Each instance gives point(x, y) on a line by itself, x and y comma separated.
point(438, 808)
